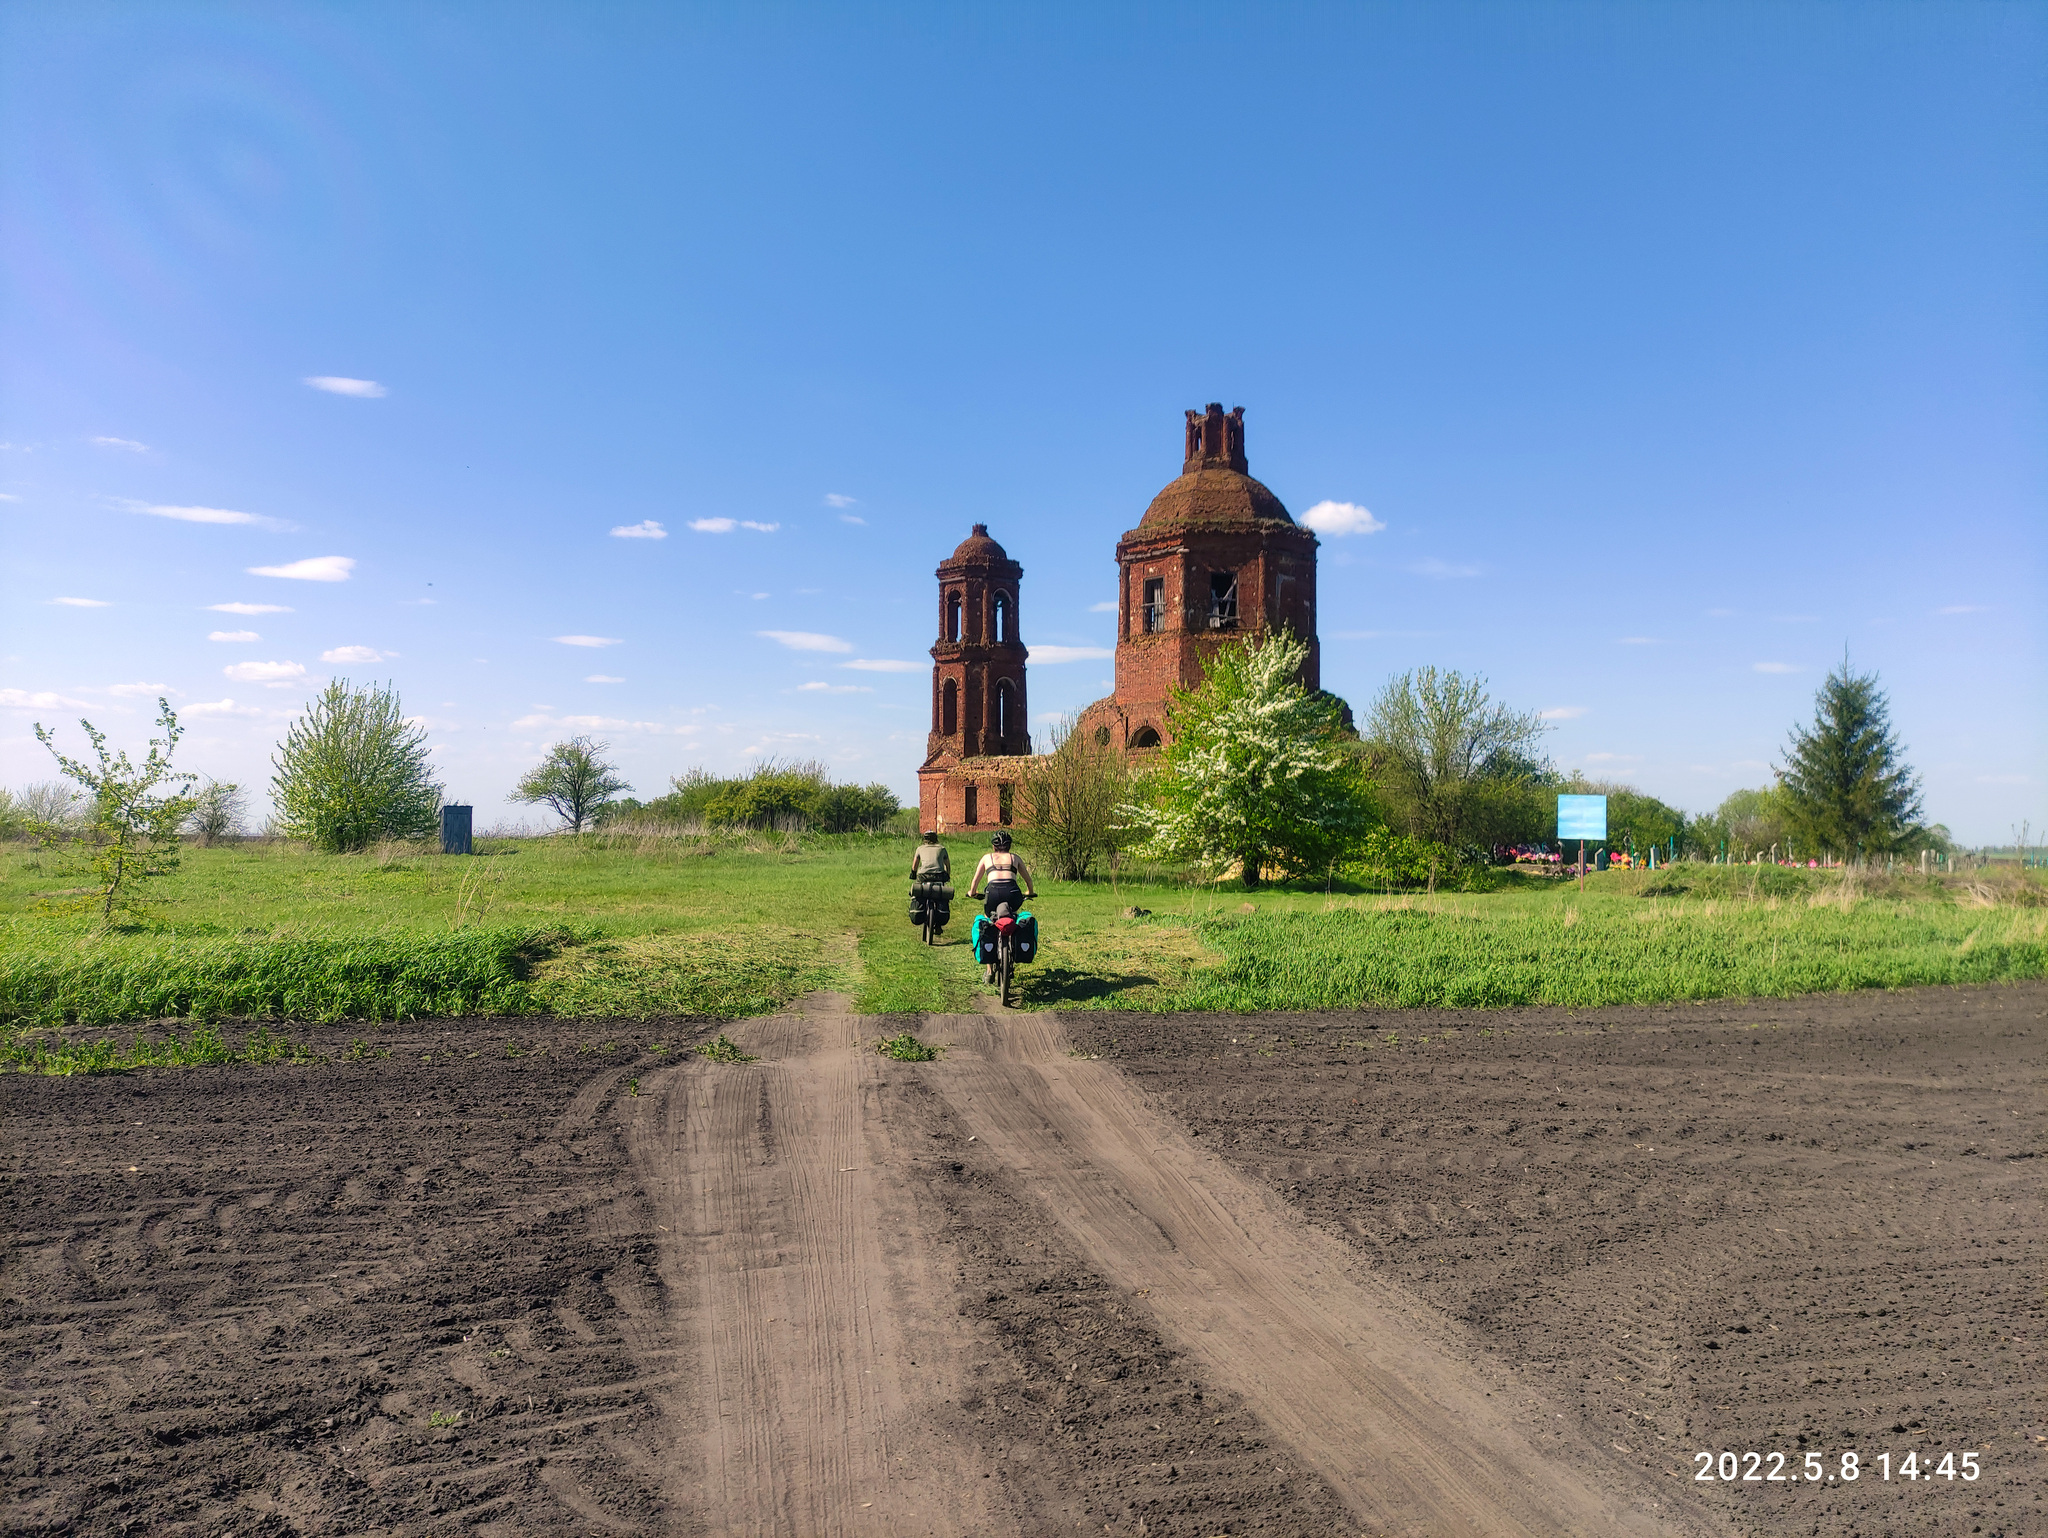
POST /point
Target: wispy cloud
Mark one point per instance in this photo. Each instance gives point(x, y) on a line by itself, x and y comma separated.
point(1442, 569)
point(122, 443)
point(853, 519)
point(1775, 667)
point(590, 640)
point(1070, 653)
point(39, 699)
point(727, 525)
point(232, 635)
point(316, 568)
point(1612, 758)
point(1964, 608)
point(275, 674)
point(225, 707)
point(840, 499)
point(807, 640)
point(8, 496)
point(202, 514)
point(884, 665)
point(646, 528)
point(248, 608)
point(817, 686)
point(600, 723)
point(602, 678)
point(1340, 518)
point(1107, 606)
point(83, 603)
point(355, 654)
point(339, 384)
point(1563, 712)
point(145, 691)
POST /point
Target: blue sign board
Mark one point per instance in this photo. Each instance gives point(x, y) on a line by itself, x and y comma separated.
point(1582, 817)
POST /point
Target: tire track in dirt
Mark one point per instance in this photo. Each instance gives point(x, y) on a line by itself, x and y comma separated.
point(1415, 1439)
point(828, 1380)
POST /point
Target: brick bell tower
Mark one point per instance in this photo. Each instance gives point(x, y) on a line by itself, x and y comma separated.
point(978, 703)
point(1216, 557)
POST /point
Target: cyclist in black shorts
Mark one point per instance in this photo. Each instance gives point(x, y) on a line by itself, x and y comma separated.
point(1003, 871)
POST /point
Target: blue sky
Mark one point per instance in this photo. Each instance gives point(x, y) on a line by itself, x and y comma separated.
point(1676, 348)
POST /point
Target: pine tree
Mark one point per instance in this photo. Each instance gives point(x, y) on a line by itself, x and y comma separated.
point(1847, 786)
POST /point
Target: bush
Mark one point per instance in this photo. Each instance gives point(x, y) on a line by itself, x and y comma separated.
point(856, 808)
point(353, 770)
point(1072, 800)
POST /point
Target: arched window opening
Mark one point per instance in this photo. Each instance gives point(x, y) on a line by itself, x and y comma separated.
point(949, 709)
point(1145, 737)
point(1003, 711)
point(953, 630)
point(1002, 618)
point(1102, 736)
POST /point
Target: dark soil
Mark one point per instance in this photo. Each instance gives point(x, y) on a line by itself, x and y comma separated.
point(1786, 1226)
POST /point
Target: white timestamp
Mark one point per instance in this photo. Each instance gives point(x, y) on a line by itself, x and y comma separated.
point(1817, 1469)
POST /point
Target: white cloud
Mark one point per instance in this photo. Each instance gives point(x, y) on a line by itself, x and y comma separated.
point(1963, 608)
point(1338, 518)
point(816, 686)
point(589, 640)
point(248, 608)
point(83, 603)
point(146, 691)
point(39, 699)
point(807, 641)
point(232, 635)
point(851, 518)
point(759, 528)
point(884, 665)
point(317, 568)
point(1107, 606)
point(199, 514)
point(355, 654)
point(122, 443)
point(602, 678)
point(1563, 712)
point(1441, 569)
point(221, 708)
point(8, 496)
point(714, 525)
point(840, 499)
point(1776, 667)
point(646, 528)
point(264, 672)
point(1070, 653)
point(337, 384)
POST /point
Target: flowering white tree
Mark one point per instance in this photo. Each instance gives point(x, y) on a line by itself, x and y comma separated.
point(1260, 774)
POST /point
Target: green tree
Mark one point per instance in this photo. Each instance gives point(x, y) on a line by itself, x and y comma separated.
point(1449, 760)
point(1261, 773)
point(1072, 798)
point(1845, 781)
point(775, 794)
point(851, 808)
point(129, 835)
point(574, 779)
point(353, 770)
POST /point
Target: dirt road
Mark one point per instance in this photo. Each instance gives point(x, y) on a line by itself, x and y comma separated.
point(1242, 1276)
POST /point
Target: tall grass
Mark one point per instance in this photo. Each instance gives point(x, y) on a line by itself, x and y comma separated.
point(1409, 954)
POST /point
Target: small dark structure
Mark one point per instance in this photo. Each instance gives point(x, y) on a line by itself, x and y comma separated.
point(455, 829)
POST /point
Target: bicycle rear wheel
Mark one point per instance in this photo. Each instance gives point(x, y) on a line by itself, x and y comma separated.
point(1005, 959)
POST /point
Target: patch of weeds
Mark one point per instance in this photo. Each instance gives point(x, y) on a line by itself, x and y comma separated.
point(512, 1049)
point(440, 1418)
point(906, 1048)
point(360, 1051)
point(633, 1088)
point(722, 1049)
point(658, 1048)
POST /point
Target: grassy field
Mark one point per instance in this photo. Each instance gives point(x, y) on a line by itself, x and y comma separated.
point(720, 928)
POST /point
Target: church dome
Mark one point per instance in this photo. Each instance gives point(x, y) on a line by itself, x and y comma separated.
point(1213, 486)
point(977, 546)
point(1214, 496)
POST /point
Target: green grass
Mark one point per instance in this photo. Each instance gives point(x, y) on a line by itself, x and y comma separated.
point(719, 929)
point(906, 1048)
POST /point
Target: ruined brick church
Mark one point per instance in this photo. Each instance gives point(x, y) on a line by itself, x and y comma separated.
point(1215, 557)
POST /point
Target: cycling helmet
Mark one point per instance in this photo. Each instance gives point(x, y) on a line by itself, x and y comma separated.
point(1000, 841)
